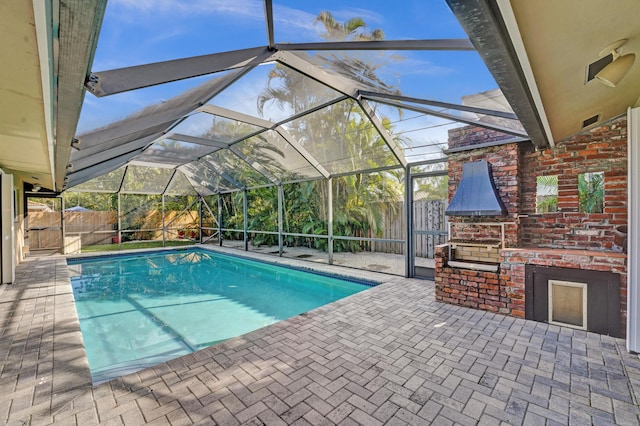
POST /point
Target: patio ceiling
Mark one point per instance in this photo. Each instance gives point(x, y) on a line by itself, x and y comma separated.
point(46, 55)
point(539, 52)
point(227, 126)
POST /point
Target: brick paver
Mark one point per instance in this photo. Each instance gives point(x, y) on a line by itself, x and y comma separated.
point(389, 355)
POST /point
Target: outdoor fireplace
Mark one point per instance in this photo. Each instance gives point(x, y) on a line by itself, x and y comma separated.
point(582, 299)
point(476, 245)
point(578, 259)
point(473, 242)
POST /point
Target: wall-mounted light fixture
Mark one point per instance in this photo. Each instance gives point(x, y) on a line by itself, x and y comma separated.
point(616, 70)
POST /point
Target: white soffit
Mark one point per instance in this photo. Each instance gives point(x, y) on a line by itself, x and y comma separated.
point(516, 39)
point(24, 145)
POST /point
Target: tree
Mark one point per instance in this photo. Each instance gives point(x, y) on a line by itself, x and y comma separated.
point(342, 139)
point(591, 192)
point(434, 188)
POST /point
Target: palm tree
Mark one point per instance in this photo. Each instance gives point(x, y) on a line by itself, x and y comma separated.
point(355, 68)
point(342, 139)
point(336, 31)
point(591, 192)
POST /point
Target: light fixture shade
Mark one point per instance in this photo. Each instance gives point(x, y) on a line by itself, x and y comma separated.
point(616, 70)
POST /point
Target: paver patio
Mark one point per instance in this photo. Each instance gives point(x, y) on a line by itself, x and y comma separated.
point(389, 355)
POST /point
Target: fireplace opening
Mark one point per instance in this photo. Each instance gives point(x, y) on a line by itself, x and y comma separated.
point(578, 298)
point(568, 304)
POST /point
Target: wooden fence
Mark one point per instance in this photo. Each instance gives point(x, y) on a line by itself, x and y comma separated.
point(428, 215)
point(45, 227)
point(96, 227)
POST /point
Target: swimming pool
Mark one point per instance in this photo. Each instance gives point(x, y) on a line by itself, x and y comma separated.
point(139, 310)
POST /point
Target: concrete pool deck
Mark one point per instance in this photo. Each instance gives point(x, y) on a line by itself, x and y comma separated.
point(389, 355)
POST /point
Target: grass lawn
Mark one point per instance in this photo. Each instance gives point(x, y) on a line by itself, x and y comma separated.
point(135, 245)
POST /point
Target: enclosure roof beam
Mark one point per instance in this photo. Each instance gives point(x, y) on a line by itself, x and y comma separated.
point(81, 176)
point(237, 116)
point(104, 83)
point(303, 152)
point(170, 116)
point(169, 182)
point(384, 133)
point(213, 167)
point(95, 158)
point(254, 164)
point(268, 14)
point(312, 110)
point(294, 117)
point(93, 142)
point(191, 177)
point(503, 114)
point(197, 140)
point(451, 117)
point(126, 169)
point(184, 210)
point(365, 171)
point(434, 44)
point(336, 82)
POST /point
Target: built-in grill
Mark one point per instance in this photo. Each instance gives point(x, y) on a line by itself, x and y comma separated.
point(478, 254)
point(476, 196)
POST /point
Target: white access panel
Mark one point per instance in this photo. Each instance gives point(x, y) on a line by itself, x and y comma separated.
point(7, 245)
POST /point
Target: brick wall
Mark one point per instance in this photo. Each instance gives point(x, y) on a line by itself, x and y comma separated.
point(602, 149)
point(469, 135)
point(504, 292)
point(477, 254)
point(565, 239)
point(512, 272)
point(505, 165)
point(466, 287)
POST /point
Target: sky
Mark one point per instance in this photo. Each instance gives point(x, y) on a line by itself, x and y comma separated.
point(142, 31)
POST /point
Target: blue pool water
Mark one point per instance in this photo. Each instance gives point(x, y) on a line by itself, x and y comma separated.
point(140, 310)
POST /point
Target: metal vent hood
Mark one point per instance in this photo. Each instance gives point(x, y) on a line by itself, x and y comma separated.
point(476, 194)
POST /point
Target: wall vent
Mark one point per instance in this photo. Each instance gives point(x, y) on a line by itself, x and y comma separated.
point(591, 120)
point(597, 66)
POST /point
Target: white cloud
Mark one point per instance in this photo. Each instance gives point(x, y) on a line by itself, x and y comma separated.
point(413, 66)
point(287, 19)
point(370, 18)
point(249, 8)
